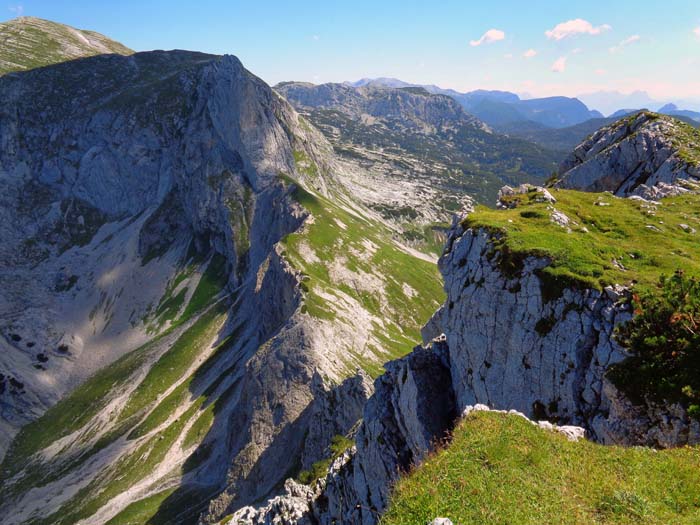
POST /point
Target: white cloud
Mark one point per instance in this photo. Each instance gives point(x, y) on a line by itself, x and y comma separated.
point(316, 37)
point(529, 53)
point(575, 27)
point(492, 35)
point(626, 42)
point(577, 51)
point(697, 31)
point(600, 72)
point(559, 65)
point(18, 10)
point(508, 56)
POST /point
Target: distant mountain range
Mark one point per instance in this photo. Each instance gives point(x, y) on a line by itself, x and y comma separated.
point(429, 138)
point(497, 108)
point(612, 102)
point(503, 110)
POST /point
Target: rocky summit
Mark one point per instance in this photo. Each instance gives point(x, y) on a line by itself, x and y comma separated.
point(226, 303)
point(645, 154)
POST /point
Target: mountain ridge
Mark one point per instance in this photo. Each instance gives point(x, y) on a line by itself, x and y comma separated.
point(503, 107)
point(182, 249)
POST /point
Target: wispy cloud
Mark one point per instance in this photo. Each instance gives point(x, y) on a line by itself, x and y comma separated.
point(491, 36)
point(529, 53)
point(697, 31)
point(559, 65)
point(575, 27)
point(316, 37)
point(18, 10)
point(508, 56)
point(600, 72)
point(626, 42)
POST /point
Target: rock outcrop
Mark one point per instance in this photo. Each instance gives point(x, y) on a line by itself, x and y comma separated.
point(411, 409)
point(88, 178)
point(645, 154)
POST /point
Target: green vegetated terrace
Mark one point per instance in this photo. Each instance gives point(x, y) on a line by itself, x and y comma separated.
point(397, 288)
point(612, 240)
point(501, 469)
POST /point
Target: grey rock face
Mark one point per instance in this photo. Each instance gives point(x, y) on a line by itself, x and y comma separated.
point(412, 407)
point(111, 180)
point(336, 411)
point(639, 155)
point(107, 168)
point(411, 108)
point(513, 345)
point(290, 508)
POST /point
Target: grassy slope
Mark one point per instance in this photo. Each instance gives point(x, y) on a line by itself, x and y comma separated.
point(338, 236)
point(27, 43)
point(619, 231)
point(500, 469)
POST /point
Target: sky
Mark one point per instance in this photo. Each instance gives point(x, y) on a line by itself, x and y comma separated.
point(538, 48)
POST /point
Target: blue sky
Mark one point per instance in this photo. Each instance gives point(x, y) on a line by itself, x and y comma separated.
point(622, 45)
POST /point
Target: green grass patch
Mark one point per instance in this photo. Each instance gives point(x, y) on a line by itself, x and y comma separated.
point(122, 475)
point(200, 427)
point(500, 469)
point(140, 512)
point(622, 241)
point(319, 469)
point(72, 412)
point(174, 363)
point(211, 283)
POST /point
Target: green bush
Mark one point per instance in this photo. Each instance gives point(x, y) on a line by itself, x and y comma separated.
point(663, 339)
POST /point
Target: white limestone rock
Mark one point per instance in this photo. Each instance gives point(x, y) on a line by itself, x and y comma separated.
point(639, 155)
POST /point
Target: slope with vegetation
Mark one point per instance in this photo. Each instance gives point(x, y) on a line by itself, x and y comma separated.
point(557, 307)
point(28, 42)
point(501, 469)
point(607, 240)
